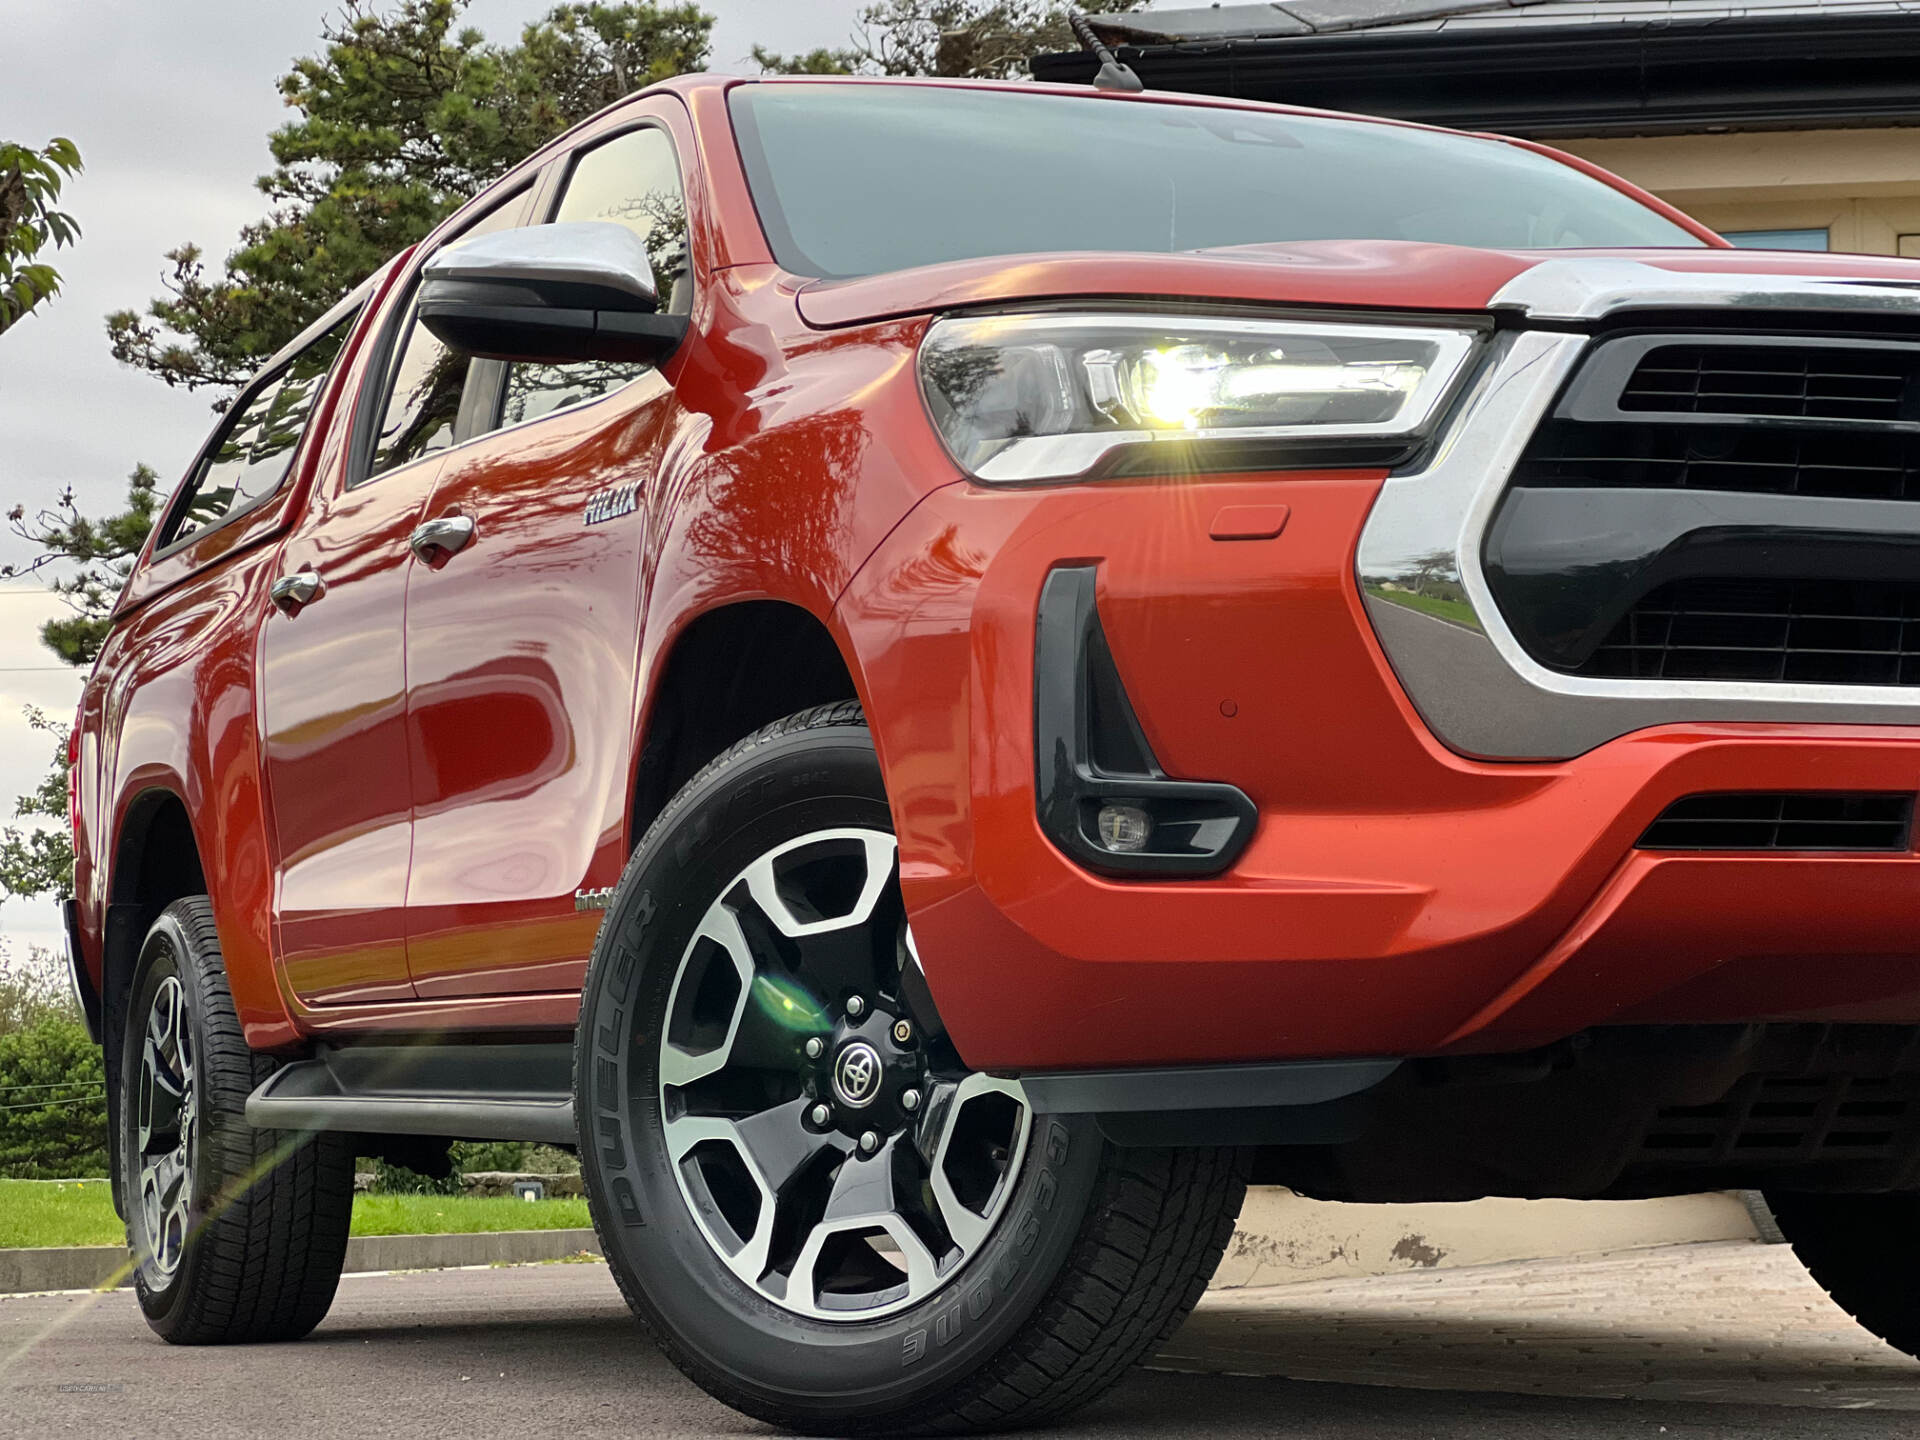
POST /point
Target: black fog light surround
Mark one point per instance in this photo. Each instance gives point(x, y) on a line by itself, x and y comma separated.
point(1101, 795)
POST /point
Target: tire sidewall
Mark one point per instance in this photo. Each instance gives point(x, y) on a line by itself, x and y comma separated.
point(166, 952)
point(809, 780)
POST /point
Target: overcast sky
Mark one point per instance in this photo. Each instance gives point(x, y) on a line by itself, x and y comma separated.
point(170, 105)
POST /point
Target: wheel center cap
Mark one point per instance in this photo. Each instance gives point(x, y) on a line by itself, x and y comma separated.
point(857, 1074)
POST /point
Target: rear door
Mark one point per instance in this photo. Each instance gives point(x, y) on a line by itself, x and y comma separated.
point(521, 647)
point(333, 674)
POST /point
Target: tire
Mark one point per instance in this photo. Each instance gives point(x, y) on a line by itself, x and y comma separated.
point(1864, 1251)
point(236, 1234)
point(1764, 1225)
point(1073, 1258)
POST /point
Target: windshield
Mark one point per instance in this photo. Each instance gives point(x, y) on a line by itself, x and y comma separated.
point(862, 179)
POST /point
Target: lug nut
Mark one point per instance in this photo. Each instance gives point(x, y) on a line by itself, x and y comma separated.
point(856, 1007)
point(909, 1099)
point(902, 1031)
point(869, 1142)
point(815, 1048)
point(820, 1115)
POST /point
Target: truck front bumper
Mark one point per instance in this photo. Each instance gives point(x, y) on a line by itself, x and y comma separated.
point(1397, 897)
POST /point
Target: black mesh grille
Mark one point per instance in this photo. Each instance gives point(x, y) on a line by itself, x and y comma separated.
point(1790, 1119)
point(1816, 598)
point(1864, 464)
point(1832, 632)
point(1823, 382)
point(1793, 820)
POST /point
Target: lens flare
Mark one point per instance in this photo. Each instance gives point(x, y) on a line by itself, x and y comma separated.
point(787, 1003)
point(1176, 386)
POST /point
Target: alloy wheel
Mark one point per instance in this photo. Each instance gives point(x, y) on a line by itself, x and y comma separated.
point(838, 1158)
point(166, 1117)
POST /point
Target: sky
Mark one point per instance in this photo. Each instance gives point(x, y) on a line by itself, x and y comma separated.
point(171, 105)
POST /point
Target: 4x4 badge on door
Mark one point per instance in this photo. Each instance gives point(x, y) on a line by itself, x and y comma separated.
point(613, 503)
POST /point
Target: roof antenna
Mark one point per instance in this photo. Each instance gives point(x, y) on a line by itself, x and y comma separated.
point(1113, 75)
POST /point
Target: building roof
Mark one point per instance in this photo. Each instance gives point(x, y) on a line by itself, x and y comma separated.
point(1334, 17)
point(1538, 67)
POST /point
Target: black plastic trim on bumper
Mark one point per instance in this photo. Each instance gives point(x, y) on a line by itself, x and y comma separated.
point(1306, 1102)
point(1090, 751)
point(468, 1092)
point(1202, 1087)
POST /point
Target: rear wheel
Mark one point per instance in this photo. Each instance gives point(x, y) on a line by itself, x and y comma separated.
point(236, 1234)
point(823, 1216)
point(1864, 1251)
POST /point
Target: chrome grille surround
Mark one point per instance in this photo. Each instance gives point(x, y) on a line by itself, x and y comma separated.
point(1471, 680)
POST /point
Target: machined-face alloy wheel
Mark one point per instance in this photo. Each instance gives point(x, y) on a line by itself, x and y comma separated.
point(166, 1117)
point(839, 1161)
point(236, 1233)
point(821, 1212)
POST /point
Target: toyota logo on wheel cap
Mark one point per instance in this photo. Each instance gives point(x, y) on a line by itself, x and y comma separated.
point(856, 1074)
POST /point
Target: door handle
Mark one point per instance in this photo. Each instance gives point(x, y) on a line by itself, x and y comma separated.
point(293, 593)
point(438, 540)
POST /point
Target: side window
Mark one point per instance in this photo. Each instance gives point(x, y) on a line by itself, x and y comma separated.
point(635, 180)
point(427, 382)
point(423, 403)
point(255, 448)
point(632, 179)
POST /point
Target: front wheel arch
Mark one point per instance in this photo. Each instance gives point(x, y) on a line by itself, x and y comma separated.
point(725, 674)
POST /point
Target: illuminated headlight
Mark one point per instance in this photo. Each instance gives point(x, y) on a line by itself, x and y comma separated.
point(1050, 397)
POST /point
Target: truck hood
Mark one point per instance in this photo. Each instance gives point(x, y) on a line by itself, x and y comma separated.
point(1378, 274)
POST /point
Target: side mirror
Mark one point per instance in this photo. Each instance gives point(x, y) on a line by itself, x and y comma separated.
point(583, 290)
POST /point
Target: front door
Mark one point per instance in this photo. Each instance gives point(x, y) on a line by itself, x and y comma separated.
point(522, 643)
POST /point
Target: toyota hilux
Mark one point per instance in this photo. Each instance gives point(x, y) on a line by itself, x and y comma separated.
point(940, 676)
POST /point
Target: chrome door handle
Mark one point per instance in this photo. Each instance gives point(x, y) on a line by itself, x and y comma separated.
point(436, 540)
point(293, 593)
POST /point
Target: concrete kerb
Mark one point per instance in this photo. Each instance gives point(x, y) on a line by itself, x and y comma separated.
point(92, 1267)
point(1281, 1238)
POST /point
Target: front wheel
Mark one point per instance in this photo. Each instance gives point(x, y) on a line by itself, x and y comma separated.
point(819, 1212)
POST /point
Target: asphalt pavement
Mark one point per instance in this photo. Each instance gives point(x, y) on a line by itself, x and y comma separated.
point(550, 1350)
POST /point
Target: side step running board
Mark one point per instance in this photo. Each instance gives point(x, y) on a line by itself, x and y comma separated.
point(468, 1092)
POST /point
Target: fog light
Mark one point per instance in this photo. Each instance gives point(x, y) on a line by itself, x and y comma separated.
point(1124, 828)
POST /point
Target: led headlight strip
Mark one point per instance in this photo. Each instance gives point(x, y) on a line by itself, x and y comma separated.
point(1050, 396)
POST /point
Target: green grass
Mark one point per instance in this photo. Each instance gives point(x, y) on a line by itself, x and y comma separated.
point(463, 1214)
point(40, 1212)
point(1457, 611)
point(46, 1212)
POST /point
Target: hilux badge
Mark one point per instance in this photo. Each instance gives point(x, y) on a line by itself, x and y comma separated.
point(612, 503)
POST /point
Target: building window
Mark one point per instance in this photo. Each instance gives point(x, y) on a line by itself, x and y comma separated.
point(1778, 239)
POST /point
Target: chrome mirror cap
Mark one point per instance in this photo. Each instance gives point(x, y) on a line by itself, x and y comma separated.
point(549, 294)
point(598, 255)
